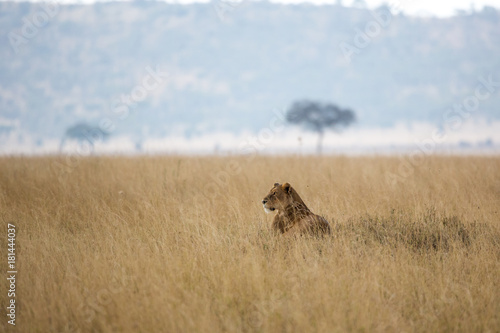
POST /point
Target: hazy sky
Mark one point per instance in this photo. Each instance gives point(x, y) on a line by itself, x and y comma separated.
point(441, 8)
point(425, 7)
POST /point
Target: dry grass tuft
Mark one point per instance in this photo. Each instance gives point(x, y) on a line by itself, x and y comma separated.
point(181, 244)
point(429, 233)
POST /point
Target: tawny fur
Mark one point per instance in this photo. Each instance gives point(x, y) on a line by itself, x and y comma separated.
point(293, 216)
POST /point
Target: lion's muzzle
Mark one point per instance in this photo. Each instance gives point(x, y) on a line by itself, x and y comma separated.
point(267, 210)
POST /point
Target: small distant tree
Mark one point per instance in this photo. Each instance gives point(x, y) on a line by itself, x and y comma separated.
point(319, 117)
point(84, 133)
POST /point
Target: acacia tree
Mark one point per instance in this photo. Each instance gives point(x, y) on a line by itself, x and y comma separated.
point(84, 133)
point(319, 117)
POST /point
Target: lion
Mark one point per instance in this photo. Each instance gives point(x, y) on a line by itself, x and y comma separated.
point(293, 215)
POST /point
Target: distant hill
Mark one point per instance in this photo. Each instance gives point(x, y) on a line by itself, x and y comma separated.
point(152, 69)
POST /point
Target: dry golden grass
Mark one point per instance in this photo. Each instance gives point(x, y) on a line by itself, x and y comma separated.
point(153, 244)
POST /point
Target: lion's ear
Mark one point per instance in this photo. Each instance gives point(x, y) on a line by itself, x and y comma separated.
point(286, 187)
point(276, 184)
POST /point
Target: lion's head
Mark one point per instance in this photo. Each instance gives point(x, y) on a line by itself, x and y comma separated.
point(280, 197)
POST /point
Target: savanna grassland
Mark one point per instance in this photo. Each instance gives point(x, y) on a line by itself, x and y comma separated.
point(182, 244)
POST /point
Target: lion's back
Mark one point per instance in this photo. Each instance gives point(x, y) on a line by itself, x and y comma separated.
point(314, 224)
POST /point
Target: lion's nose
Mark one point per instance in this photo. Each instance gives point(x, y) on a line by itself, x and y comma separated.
point(264, 202)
